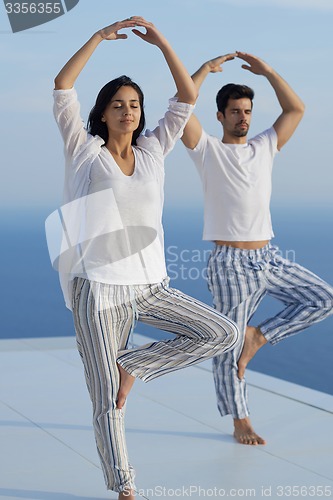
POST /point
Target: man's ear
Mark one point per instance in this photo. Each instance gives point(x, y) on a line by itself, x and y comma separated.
point(220, 116)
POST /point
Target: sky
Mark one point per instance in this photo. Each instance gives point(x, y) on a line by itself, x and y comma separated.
point(294, 36)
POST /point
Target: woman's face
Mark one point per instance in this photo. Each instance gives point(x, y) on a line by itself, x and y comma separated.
point(122, 114)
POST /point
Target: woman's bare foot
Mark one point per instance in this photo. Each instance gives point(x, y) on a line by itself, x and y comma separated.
point(254, 339)
point(126, 382)
point(244, 432)
point(126, 495)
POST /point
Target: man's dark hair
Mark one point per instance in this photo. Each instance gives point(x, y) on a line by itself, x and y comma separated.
point(232, 91)
point(95, 124)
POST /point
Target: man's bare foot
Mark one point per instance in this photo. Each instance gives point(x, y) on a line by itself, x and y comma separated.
point(126, 495)
point(254, 339)
point(126, 382)
point(244, 432)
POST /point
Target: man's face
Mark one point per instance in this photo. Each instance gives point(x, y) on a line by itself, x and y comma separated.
point(237, 117)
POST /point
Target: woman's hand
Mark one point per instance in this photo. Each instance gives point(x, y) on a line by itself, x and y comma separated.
point(69, 73)
point(152, 34)
point(111, 32)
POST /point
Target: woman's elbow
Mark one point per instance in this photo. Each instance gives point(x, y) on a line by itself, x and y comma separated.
point(195, 95)
point(189, 98)
point(61, 84)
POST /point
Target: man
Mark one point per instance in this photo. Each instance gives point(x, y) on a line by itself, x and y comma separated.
point(244, 266)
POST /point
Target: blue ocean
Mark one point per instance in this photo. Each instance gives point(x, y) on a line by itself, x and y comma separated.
point(32, 303)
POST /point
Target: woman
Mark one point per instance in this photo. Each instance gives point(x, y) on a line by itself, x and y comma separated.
point(112, 260)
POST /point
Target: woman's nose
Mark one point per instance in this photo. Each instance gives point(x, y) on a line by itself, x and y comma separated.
point(127, 110)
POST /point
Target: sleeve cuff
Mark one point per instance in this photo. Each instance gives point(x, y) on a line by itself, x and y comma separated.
point(59, 92)
point(177, 105)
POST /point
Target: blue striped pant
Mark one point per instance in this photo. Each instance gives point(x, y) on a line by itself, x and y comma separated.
point(103, 318)
point(238, 280)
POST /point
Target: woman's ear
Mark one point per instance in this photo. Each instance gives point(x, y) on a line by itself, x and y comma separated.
point(103, 119)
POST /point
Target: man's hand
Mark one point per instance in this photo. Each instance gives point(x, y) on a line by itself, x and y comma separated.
point(215, 65)
point(254, 64)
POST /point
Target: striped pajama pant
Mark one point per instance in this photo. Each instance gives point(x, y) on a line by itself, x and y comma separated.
point(238, 280)
point(103, 318)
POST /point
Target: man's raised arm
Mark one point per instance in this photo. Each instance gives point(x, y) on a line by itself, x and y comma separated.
point(291, 104)
point(193, 129)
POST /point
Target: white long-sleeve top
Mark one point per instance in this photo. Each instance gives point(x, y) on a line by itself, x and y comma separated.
point(111, 224)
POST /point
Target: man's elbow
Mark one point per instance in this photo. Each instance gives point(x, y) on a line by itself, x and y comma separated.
point(301, 108)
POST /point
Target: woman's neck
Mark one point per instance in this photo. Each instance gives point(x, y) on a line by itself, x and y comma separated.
point(120, 147)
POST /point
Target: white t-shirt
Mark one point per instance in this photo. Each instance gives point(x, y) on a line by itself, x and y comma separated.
point(109, 229)
point(236, 180)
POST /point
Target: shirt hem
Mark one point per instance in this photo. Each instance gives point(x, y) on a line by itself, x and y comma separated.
point(120, 282)
point(238, 238)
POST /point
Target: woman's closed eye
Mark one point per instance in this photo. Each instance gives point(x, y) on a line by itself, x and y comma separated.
point(133, 106)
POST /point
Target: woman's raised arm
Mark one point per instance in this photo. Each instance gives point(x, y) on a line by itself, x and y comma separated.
point(186, 90)
point(69, 73)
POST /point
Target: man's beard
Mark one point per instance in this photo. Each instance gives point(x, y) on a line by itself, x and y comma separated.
point(240, 132)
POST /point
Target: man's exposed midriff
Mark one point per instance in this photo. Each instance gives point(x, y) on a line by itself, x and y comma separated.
point(245, 245)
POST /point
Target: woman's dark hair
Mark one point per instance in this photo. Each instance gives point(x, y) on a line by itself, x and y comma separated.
point(232, 91)
point(95, 124)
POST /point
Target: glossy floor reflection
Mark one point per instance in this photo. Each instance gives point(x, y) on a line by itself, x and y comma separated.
point(179, 445)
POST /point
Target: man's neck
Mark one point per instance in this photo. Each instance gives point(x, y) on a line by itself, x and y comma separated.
point(227, 139)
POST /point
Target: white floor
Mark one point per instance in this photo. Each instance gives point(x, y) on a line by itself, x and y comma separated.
point(178, 443)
